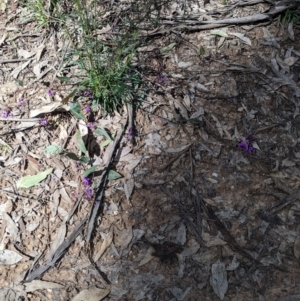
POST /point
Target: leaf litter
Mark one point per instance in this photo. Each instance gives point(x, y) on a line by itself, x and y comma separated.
point(168, 192)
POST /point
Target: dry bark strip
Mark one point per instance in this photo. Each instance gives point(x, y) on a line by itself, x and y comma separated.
point(101, 188)
point(203, 25)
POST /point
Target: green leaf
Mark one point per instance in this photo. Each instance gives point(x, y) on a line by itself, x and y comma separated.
point(80, 143)
point(30, 181)
point(89, 171)
point(101, 131)
point(219, 32)
point(85, 160)
point(53, 149)
point(64, 79)
point(202, 50)
point(69, 96)
point(105, 143)
point(95, 105)
point(73, 156)
point(76, 110)
point(19, 82)
point(195, 121)
point(166, 49)
point(113, 175)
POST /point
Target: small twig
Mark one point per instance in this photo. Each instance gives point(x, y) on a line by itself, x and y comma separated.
point(18, 195)
point(165, 166)
point(285, 202)
point(12, 61)
point(20, 119)
point(61, 62)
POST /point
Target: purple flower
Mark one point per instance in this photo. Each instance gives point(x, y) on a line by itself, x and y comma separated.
point(4, 114)
point(87, 109)
point(91, 126)
point(129, 133)
point(87, 93)
point(243, 146)
point(50, 93)
point(246, 145)
point(162, 79)
point(44, 121)
point(21, 101)
point(88, 191)
point(86, 181)
point(10, 114)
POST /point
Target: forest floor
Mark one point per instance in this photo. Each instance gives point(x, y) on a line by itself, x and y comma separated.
point(207, 206)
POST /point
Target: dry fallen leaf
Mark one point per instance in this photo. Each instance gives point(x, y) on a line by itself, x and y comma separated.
point(59, 238)
point(297, 247)
point(8, 257)
point(39, 284)
point(91, 294)
point(219, 279)
point(105, 244)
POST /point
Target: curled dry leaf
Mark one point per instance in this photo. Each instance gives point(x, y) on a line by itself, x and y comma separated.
point(297, 247)
point(91, 294)
point(148, 256)
point(8, 257)
point(15, 73)
point(219, 279)
point(128, 187)
point(39, 284)
point(105, 244)
point(153, 143)
point(241, 37)
point(218, 124)
point(59, 238)
point(124, 238)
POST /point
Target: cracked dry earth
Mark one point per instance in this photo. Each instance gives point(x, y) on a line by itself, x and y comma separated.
point(214, 213)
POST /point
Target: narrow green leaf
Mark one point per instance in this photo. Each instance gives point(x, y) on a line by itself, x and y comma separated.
point(73, 156)
point(64, 79)
point(166, 49)
point(51, 149)
point(89, 171)
point(80, 143)
point(113, 175)
point(202, 50)
point(219, 32)
point(101, 131)
point(76, 110)
point(105, 143)
point(30, 181)
point(19, 82)
point(85, 160)
point(69, 96)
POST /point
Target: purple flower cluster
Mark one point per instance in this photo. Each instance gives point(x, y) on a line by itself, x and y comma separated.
point(91, 125)
point(129, 134)
point(6, 114)
point(44, 121)
point(51, 93)
point(246, 145)
point(88, 191)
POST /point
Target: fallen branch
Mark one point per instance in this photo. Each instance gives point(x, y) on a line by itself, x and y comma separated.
point(204, 25)
point(101, 188)
point(33, 274)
